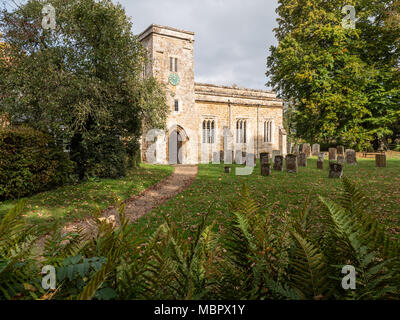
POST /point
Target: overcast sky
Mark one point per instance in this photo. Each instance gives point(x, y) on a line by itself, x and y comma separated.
point(232, 37)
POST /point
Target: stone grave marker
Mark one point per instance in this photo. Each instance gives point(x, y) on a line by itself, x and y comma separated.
point(250, 160)
point(265, 164)
point(278, 163)
point(307, 149)
point(351, 157)
point(291, 163)
point(216, 157)
point(380, 160)
point(295, 149)
point(340, 159)
point(302, 159)
point(332, 154)
point(239, 157)
point(315, 149)
point(274, 154)
point(335, 170)
point(320, 161)
point(340, 150)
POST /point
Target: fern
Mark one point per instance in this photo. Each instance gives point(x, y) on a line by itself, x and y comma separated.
point(309, 277)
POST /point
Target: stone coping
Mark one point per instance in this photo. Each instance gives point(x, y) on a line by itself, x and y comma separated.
point(236, 96)
point(166, 31)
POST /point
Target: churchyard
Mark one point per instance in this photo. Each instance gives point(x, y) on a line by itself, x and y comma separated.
point(284, 192)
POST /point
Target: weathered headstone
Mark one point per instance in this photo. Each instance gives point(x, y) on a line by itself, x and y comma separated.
point(335, 170)
point(291, 163)
point(332, 154)
point(351, 157)
point(274, 154)
point(227, 169)
point(320, 161)
point(380, 160)
point(250, 160)
point(302, 160)
point(221, 156)
point(315, 149)
point(265, 164)
point(307, 149)
point(295, 149)
point(278, 164)
point(239, 157)
point(216, 157)
point(340, 150)
point(340, 159)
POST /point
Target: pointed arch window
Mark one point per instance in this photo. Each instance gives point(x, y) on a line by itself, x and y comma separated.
point(268, 131)
point(208, 131)
point(241, 131)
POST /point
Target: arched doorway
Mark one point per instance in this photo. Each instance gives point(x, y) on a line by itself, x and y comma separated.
point(177, 139)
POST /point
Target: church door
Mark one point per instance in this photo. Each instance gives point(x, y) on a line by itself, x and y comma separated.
point(175, 148)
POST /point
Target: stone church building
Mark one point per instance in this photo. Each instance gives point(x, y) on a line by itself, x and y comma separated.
point(201, 113)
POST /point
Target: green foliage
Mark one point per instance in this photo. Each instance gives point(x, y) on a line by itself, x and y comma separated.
point(82, 81)
point(341, 85)
point(30, 162)
point(255, 256)
point(18, 275)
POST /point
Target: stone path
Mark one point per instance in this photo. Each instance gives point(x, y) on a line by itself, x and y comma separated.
point(138, 205)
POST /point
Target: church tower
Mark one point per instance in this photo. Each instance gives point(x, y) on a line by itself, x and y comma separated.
point(171, 62)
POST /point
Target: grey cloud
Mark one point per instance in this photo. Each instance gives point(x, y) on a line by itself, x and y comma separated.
point(232, 36)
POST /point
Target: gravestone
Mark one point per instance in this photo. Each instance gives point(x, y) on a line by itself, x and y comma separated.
point(295, 149)
point(351, 157)
point(250, 160)
point(227, 169)
point(315, 149)
point(302, 160)
point(332, 154)
point(222, 156)
point(320, 161)
point(340, 159)
point(265, 164)
point(291, 163)
point(380, 160)
point(274, 154)
point(278, 163)
point(239, 157)
point(340, 150)
point(215, 158)
point(307, 149)
point(335, 170)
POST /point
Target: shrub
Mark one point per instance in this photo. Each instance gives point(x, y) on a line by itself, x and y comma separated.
point(30, 163)
point(99, 154)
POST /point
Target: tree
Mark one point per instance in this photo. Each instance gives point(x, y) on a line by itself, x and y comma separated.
point(342, 83)
point(82, 81)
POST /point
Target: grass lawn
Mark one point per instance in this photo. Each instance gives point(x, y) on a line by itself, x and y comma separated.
point(281, 193)
point(73, 202)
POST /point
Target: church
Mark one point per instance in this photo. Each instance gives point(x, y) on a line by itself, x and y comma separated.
point(200, 114)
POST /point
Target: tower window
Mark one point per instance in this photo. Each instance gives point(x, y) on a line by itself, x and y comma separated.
point(176, 105)
point(173, 64)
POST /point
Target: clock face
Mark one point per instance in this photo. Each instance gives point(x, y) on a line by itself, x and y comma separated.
point(174, 79)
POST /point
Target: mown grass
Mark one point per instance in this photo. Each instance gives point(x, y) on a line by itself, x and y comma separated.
point(72, 202)
point(282, 193)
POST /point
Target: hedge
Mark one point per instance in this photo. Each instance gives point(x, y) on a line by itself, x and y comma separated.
point(30, 163)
